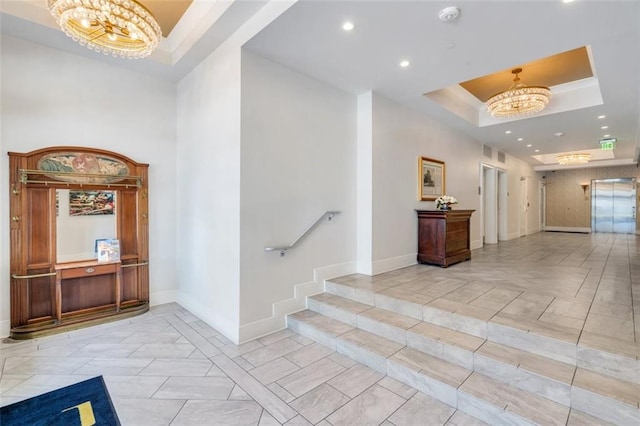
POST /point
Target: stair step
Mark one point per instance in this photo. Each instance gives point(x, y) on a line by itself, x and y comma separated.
point(609, 398)
point(542, 376)
point(578, 418)
point(317, 327)
point(337, 307)
point(498, 403)
point(430, 375)
point(594, 398)
point(386, 324)
point(444, 343)
point(608, 355)
point(367, 348)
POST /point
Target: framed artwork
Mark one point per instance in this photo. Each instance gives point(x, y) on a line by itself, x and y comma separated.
point(430, 178)
point(91, 203)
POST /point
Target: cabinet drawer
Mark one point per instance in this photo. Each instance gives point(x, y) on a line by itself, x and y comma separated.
point(88, 271)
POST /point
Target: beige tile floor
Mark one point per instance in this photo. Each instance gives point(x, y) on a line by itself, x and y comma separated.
point(168, 367)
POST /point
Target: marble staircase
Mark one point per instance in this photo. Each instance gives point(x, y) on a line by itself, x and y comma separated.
point(499, 367)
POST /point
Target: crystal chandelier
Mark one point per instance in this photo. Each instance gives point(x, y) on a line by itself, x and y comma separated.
point(121, 28)
point(518, 99)
point(573, 159)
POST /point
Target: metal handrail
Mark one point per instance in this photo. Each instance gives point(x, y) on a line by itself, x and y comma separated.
point(28, 277)
point(283, 250)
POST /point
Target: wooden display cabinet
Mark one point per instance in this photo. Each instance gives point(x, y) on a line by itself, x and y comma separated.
point(443, 236)
point(50, 293)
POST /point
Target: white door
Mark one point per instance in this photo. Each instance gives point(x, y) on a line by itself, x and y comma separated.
point(524, 206)
point(489, 205)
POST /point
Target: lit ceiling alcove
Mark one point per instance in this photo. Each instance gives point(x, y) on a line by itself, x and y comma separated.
point(569, 75)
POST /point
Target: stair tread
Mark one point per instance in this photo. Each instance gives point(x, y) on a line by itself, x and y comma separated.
point(447, 336)
point(363, 282)
point(589, 339)
point(377, 344)
point(620, 390)
point(407, 296)
point(547, 329)
point(557, 370)
point(578, 418)
point(508, 398)
point(388, 317)
point(446, 372)
point(340, 302)
point(324, 323)
point(463, 309)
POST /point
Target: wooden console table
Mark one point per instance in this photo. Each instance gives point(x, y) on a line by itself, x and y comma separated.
point(81, 274)
point(443, 236)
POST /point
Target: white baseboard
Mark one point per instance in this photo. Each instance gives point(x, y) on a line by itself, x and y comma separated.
point(476, 244)
point(364, 268)
point(513, 235)
point(277, 320)
point(206, 314)
point(568, 229)
point(162, 297)
point(386, 265)
point(393, 263)
point(5, 328)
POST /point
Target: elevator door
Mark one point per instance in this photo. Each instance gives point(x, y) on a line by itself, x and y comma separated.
point(613, 205)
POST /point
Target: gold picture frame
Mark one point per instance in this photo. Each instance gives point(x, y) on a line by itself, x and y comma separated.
point(431, 174)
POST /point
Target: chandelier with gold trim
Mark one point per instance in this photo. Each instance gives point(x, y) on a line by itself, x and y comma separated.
point(122, 28)
point(573, 159)
point(519, 99)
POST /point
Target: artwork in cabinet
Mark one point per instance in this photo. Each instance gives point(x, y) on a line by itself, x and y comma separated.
point(431, 175)
point(91, 203)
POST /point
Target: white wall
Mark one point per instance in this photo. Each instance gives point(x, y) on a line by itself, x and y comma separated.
point(298, 161)
point(209, 190)
point(51, 98)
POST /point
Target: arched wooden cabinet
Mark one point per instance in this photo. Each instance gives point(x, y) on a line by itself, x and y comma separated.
point(53, 291)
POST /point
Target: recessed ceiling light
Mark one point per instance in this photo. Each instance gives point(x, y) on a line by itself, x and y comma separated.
point(508, 132)
point(520, 139)
point(537, 150)
point(604, 127)
point(606, 136)
point(405, 63)
point(567, 1)
point(529, 145)
point(559, 134)
point(602, 116)
point(348, 26)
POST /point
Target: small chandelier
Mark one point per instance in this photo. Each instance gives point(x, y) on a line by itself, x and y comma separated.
point(518, 99)
point(573, 159)
point(121, 28)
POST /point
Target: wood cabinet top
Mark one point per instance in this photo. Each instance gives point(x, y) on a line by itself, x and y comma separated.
point(444, 213)
point(82, 264)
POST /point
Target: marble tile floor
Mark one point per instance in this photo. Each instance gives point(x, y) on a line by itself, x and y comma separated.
point(167, 367)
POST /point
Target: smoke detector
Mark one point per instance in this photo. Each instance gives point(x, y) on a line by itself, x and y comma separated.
point(449, 14)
